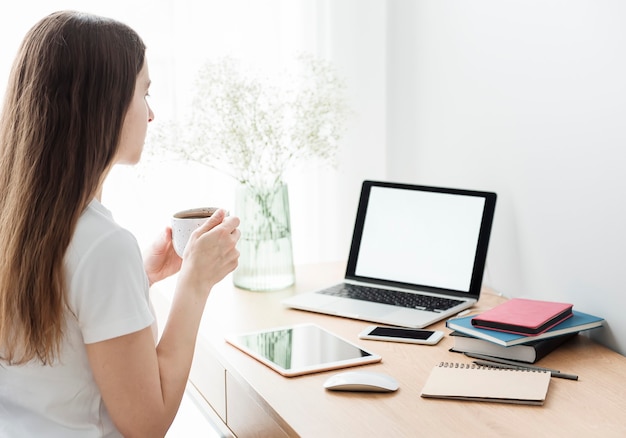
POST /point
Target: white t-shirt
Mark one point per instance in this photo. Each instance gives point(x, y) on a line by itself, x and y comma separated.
point(108, 296)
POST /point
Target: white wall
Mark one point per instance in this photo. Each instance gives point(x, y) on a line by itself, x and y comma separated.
point(528, 99)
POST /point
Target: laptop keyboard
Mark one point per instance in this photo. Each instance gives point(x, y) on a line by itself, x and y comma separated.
point(393, 297)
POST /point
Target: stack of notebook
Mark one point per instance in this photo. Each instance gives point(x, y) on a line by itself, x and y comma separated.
point(520, 329)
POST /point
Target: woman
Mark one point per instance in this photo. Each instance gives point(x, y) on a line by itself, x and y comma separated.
point(78, 351)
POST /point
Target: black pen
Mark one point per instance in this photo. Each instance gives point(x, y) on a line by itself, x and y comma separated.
point(517, 367)
point(554, 373)
point(508, 362)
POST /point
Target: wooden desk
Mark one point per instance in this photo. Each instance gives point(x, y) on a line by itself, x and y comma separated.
point(253, 400)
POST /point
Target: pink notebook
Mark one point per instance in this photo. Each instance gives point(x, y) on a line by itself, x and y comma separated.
point(524, 316)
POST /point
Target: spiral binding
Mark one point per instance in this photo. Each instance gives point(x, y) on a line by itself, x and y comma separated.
point(473, 366)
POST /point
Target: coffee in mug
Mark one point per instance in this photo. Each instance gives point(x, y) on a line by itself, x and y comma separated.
point(185, 222)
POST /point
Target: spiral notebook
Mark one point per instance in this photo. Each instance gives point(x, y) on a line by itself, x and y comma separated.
point(462, 381)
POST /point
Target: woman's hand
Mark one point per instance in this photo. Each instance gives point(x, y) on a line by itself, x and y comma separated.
point(161, 261)
point(211, 252)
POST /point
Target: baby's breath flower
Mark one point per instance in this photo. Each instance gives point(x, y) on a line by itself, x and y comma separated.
point(254, 126)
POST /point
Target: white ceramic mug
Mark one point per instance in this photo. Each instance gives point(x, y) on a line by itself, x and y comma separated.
point(185, 222)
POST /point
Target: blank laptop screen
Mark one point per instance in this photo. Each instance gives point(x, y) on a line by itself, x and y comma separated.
point(420, 237)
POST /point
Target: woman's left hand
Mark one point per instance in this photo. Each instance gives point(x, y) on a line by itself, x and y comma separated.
point(161, 260)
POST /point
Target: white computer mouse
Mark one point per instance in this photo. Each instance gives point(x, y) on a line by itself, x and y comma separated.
point(364, 381)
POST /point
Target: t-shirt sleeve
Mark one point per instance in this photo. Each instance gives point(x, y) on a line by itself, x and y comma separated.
point(110, 290)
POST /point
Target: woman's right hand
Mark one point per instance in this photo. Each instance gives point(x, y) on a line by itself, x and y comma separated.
point(211, 252)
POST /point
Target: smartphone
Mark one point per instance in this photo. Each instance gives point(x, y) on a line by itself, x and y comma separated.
point(402, 334)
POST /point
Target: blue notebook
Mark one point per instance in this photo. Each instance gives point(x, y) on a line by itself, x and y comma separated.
point(578, 322)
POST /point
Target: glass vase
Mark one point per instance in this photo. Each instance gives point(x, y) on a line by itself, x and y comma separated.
point(266, 256)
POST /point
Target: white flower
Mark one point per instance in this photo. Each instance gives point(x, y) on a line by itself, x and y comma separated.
point(254, 125)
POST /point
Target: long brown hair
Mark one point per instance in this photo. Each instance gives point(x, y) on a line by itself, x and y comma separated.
point(69, 89)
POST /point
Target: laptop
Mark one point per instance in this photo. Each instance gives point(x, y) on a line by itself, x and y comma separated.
point(417, 256)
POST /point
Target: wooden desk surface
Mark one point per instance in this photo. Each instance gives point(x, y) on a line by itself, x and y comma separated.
point(592, 406)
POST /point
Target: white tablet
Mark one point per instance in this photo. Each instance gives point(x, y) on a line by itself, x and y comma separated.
point(301, 349)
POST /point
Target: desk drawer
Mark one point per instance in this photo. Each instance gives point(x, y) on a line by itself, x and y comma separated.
point(247, 417)
point(209, 377)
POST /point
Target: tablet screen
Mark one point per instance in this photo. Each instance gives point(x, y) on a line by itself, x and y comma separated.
point(301, 349)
